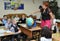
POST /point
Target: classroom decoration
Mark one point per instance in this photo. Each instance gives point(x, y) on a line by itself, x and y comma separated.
point(29, 21)
point(13, 5)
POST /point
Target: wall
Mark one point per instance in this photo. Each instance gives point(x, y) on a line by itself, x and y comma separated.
point(29, 6)
point(58, 2)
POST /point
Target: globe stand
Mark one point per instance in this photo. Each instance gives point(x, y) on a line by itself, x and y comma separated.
point(30, 26)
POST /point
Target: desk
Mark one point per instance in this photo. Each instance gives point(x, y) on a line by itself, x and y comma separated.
point(5, 33)
point(56, 37)
point(1, 24)
point(38, 23)
point(31, 33)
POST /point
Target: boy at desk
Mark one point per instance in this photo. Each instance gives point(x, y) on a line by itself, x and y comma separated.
point(22, 19)
point(4, 20)
point(8, 24)
point(16, 18)
point(14, 28)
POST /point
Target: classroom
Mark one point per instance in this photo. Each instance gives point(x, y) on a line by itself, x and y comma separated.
point(29, 20)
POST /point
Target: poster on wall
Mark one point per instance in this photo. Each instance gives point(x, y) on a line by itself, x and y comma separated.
point(13, 6)
point(9, 0)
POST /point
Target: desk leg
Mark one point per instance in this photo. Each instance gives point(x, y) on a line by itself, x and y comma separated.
point(36, 35)
point(0, 38)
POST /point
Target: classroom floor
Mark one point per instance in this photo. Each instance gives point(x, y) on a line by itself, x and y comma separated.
point(56, 36)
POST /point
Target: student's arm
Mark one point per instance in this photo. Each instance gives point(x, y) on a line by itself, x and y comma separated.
point(19, 30)
point(20, 20)
point(6, 26)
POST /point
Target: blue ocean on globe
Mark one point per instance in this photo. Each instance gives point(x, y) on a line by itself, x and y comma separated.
point(29, 21)
point(35, 24)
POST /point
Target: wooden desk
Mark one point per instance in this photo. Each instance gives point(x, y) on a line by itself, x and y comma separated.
point(56, 37)
point(1, 24)
point(5, 33)
point(38, 23)
point(30, 32)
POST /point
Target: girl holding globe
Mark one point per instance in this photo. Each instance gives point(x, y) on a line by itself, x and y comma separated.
point(47, 15)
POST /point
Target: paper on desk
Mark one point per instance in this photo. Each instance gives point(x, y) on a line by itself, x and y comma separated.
point(2, 31)
point(1, 34)
point(23, 25)
point(58, 20)
point(8, 31)
point(38, 21)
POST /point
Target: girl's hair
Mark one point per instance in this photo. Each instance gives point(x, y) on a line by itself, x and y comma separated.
point(46, 32)
point(46, 3)
point(40, 7)
point(4, 15)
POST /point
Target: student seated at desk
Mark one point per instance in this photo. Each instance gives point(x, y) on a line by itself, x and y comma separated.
point(4, 20)
point(22, 19)
point(16, 18)
point(46, 34)
point(15, 28)
point(8, 24)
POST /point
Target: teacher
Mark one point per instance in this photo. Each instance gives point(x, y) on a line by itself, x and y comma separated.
point(47, 15)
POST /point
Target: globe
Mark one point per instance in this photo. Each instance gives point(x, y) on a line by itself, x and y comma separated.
point(29, 21)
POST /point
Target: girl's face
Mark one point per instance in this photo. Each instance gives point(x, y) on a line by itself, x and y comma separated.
point(23, 16)
point(43, 6)
point(14, 21)
point(9, 20)
point(16, 15)
point(5, 17)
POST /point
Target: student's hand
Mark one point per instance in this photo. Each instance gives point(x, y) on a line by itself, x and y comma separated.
point(19, 31)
